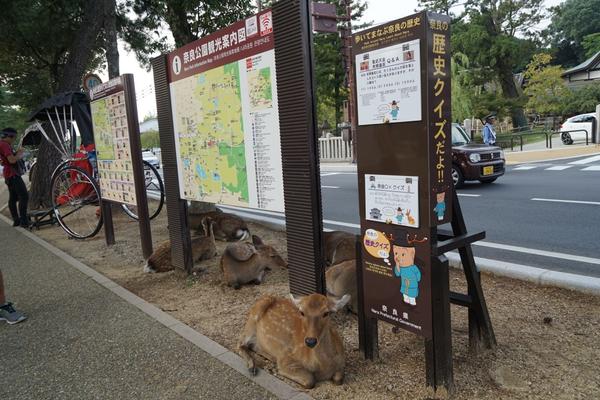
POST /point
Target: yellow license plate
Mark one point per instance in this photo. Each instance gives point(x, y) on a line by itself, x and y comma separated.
point(489, 170)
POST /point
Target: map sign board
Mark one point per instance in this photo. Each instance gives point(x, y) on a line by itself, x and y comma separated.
point(225, 116)
point(111, 135)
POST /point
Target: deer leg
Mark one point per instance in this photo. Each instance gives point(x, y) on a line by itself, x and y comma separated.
point(247, 344)
point(338, 378)
point(291, 370)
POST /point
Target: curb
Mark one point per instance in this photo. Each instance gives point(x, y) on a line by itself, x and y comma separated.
point(539, 276)
point(267, 381)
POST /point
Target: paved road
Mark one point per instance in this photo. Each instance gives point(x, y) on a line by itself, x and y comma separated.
point(81, 341)
point(560, 230)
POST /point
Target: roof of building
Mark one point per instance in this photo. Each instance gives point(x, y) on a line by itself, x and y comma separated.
point(590, 63)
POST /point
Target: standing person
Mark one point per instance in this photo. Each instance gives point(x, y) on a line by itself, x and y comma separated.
point(12, 176)
point(7, 311)
point(489, 134)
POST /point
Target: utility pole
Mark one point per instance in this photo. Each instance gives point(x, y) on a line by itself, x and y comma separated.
point(346, 36)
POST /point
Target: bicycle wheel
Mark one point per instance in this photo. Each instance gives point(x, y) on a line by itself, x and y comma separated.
point(155, 193)
point(75, 200)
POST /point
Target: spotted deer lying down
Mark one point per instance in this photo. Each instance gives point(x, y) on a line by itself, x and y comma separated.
point(341, 280)
point(243, 262)
point(228, 227)
point(203, 248)
point(338, 246)
point(297, 334)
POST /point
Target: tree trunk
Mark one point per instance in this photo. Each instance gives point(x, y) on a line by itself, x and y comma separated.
point(77, 61)
point(112, 47)
point(176, 17)
point(509, 88)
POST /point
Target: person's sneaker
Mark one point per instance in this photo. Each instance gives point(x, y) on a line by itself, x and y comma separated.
point(10, 315)
point(16, 223)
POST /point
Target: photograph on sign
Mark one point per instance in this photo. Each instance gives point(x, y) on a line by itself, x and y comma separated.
point(388, 84)
point(392, 199)
point(225, 116)
point(113, 150)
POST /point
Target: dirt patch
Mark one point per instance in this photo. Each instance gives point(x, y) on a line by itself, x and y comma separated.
point(548, 340)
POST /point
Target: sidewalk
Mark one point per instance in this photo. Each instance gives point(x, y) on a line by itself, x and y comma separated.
point(82, 341)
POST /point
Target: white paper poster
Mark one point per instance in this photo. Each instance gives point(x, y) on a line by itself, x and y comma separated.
point(392, 199)
point(388, 84)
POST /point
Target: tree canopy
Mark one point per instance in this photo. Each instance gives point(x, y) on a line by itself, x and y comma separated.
point(572, 21)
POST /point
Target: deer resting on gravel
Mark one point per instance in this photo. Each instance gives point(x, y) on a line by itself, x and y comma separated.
point(243, 262)
point(203, 248)
point(228, 227)
point(298, 335)
point(341, 280)
point(338, 246)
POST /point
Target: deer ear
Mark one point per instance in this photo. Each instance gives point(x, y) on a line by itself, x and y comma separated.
point(336, 305)
point(257, 241)
point(295, 300)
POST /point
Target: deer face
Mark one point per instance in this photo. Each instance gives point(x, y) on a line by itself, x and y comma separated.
point(314, 311)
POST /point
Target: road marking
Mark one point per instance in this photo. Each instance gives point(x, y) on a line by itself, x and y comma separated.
point(524, 167)
point(329, 187)
point(594, 203)
point(544, 253)
point(349, 225)
point(329, 173)
point(592, 168)
point(468, 195)
point(559, 168)
point(586, 160)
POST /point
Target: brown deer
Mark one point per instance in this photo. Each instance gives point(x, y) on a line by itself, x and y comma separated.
point(338, 246)
point(341, 280)
point(203, 248)
point(296, 334)
point(243, 262)
point(228, 227)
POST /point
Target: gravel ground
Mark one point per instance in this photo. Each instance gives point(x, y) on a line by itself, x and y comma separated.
point(548, 341)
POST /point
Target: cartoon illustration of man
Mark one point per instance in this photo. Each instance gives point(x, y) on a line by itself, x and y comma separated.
point(395, 110)
point(406, 269)
point(440, 208)
point(399, 215)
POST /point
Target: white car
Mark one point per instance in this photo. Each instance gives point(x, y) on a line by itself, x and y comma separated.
point(149, 157)
point(574, 128)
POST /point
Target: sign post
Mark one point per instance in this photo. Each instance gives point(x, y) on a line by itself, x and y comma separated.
point(119, 154)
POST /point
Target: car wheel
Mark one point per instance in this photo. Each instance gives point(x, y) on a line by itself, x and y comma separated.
point(566, 138)
point(488, 180)
point(457, 177)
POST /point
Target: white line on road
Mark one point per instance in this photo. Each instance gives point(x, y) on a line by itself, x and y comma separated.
point(349, 225)
point(592, 168)
point(559, 168)
point(329, 187)
point(544, 253)
point(329, 173)
point(594, 203)
point(468, 195)
point(586, 160)
point(524, 167)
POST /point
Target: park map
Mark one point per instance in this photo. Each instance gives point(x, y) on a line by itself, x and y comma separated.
point(209, 124)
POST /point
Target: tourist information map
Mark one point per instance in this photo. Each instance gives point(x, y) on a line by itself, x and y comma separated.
point(111, 134)
point(226, 123)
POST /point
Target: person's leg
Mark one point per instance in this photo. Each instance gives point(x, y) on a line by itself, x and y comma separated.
point(12, 200)
point(7, 311)
point(23, 198)
point(2, 295)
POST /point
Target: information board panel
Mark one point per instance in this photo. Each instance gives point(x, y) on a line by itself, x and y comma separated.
point(111, 135)
point(404, 161)
point(226, 124)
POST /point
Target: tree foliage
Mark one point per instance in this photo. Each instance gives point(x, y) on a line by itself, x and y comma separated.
point(150, 139)
point(546, 88)
point(583, 100)
point(591, 44)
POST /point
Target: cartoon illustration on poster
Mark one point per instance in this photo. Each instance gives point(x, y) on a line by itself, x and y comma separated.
point(377, 245)
point(440, 207)
point(406, 268)
point(392, 199)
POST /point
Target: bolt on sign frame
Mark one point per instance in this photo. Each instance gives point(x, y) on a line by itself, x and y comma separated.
point(119, 154)
point(403, 105)
point(286, 29)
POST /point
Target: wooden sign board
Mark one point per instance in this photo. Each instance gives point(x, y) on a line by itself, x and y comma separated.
point(402, 71)
point(119, 153)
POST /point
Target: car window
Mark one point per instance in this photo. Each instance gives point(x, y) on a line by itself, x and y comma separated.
point(459, 136)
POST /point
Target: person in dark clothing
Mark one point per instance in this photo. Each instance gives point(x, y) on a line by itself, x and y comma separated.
point(12, 176)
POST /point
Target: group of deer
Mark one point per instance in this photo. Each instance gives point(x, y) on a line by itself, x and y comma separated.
point(241, 262)
point(295, 333)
